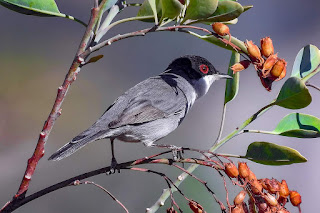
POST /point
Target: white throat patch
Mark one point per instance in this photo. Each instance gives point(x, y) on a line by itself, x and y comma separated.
point(203, 84)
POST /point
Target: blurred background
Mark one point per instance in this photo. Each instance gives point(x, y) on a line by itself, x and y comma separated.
point(35, 54)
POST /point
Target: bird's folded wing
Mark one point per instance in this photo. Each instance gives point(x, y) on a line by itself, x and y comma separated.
point(153, 101)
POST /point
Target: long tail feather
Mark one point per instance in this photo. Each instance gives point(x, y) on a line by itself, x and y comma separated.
point(71, 147)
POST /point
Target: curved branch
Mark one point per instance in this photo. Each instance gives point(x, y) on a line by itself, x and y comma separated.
point(10, 207)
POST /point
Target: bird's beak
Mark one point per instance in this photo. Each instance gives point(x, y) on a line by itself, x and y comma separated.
point(223, 76)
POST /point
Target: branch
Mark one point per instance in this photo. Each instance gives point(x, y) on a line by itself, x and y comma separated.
point(143, 32)
point(56, 109)
point(191, 168)
point(11, 206)
point(76, 183)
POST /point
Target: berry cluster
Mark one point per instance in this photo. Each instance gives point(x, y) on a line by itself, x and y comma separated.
point(269, 67)
point(265, 195)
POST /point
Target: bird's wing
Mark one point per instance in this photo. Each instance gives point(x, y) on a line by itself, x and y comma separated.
point(150, 100)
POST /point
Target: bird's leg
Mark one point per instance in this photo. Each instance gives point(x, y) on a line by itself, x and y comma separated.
point(177, 152)
point(114, 163)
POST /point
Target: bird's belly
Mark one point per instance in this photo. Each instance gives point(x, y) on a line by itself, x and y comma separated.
point(149, 132)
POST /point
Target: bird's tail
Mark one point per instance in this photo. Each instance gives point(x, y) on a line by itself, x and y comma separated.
point(76, 143)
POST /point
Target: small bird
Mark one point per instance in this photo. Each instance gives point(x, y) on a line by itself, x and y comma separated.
point(151, 109)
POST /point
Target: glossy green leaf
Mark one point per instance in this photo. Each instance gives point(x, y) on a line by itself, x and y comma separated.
point(200, 9)
point(226, 11)
point(146, 10)
point(273, 154)
point(170, 9)
point(299, 125)
point(232, 85)
point(293, 94)
point(306, 62)
point(33, 7)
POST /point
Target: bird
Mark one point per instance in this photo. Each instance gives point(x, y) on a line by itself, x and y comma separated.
point(151, 109)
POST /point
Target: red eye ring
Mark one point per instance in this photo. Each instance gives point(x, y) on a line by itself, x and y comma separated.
point(204, 68)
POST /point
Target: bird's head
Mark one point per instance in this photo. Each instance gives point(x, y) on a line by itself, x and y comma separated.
point(198, 71)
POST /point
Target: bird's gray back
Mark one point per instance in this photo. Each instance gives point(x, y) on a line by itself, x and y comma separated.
point(148, 111)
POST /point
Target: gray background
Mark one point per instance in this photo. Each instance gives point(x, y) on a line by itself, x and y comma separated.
point(35, 54)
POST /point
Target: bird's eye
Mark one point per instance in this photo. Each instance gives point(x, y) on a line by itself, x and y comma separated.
point(204, 68)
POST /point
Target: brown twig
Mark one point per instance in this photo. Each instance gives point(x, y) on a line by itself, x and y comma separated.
point(77, 182)
point(56, 109)
point(313, 86)
point(11, 206)
point(143, 32)
point(205, 185)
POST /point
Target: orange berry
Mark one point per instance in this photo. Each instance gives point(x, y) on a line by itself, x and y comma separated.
point(266, 47)
point(237, 210)
point(195, 207)
point(244, 170)
point(284, 190)
point(240, 198)
point(251, 176)
point(220, 28)
point(268, 64)
point(242, 65)
point(231, 170)
point(271, 200)
point(253, 51)
point(295, 198)
point(256, 187)
point(278, 68)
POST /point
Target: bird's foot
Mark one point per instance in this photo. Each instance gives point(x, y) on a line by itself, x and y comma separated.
point(177, 151)
point(114, 167)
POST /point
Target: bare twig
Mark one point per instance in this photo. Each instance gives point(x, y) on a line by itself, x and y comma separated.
point(313, 86)
point(11, 206)
point(56, 110)
point(77, 182)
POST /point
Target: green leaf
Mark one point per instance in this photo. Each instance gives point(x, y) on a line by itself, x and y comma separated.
point(273, 154)
point(299, 125)
point(232, 85)
point(33, 7)
point(171, 9)
point(153, 6)
point(247, 7)
point(200, 9)
point(146, 10)
point(293, 94)
point(306, 62)
point(214, 40)
point(226, 11)
point(108, 4)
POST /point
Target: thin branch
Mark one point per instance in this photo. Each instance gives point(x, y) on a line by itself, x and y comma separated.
point(56, 110)
point(191, 168)
point(11, 206)
point(140, 33)
point(77, 182)
point(313, 86)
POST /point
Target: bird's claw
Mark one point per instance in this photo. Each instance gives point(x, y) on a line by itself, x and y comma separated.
point(177, 152)
point(114, 167)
